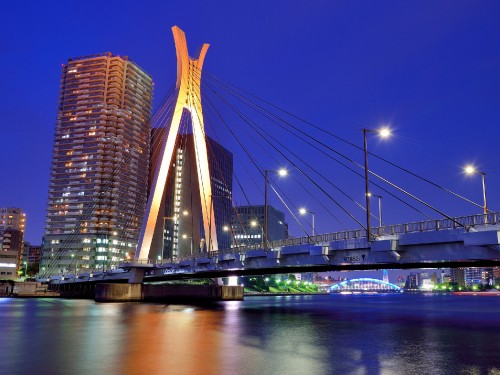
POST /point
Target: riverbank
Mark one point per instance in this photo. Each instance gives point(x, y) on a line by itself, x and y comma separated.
point(26, 289)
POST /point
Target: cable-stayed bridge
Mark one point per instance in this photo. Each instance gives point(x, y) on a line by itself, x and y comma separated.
point(189, 196)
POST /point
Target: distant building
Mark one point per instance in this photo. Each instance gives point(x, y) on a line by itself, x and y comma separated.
point(97, 192)
point(32, 254)
point(411, 281)
point(12, 226)
point(385, 276)
point(471, 276)
point(247, 225)
point(181, 231)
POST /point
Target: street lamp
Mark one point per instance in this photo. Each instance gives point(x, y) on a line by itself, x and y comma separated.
point(304, 211)
point(384, 133)
point(185, 236)
point(282, 172)
point(76, 264)
point(25, 269)
point(255, 223)
point(470, 169)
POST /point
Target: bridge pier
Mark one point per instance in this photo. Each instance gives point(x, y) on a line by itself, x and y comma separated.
point(136, 275)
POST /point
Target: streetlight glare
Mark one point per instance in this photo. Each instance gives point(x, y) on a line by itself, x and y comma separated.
point(469, 169)
point(385, 132)
point(184, 236)
point(253, 223)
point(282, 172)
point(302, 211)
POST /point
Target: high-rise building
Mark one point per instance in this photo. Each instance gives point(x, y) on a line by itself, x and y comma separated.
point(180, 233)
point(247, 225)
point(12, 225)
point(98, 181)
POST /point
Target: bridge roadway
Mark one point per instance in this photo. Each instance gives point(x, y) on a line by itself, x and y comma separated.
point(469, 241)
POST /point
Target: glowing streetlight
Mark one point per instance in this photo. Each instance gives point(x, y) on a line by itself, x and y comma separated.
point(470, 170)
point(76, 264)
point(254, 224)
point(383, 133)
point(304, 211)
point(281, 172)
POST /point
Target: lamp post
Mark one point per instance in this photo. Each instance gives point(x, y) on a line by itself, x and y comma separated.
point(379, 208)
point(384, 133)
point(281, 172)
point(255, 223)
point(304, 211)
point(76, 264)
point(185, 236)
point(25, 269)
point(472, 170)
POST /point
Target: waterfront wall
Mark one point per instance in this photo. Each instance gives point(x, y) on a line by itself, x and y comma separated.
point(167, 293)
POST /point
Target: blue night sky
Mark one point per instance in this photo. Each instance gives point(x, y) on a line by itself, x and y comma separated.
point(429, 69)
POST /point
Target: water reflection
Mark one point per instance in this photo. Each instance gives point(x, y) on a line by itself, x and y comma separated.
point(262, 335)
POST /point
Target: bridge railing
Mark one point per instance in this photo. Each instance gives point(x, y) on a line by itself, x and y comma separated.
point(386, 230)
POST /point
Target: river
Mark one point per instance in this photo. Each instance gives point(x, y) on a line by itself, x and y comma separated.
point(309, 334)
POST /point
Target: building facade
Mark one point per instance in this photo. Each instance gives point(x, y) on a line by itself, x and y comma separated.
point(12, 226)
point(32, 254)
point(247, 225)
point(179, 232)
point(97, 191)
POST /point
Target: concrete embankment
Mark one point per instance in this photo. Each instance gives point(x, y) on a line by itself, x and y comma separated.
point(167, 293)
point(26, 289)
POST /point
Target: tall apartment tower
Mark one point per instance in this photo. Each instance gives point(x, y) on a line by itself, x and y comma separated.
point(98, 181)
point(12, 225)
point(180, 234)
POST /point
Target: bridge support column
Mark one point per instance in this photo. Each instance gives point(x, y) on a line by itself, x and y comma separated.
point(136, 275)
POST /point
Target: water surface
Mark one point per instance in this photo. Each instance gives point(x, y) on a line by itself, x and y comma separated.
point(321, 334)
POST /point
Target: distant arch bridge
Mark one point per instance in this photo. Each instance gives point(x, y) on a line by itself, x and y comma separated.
point(365, 284)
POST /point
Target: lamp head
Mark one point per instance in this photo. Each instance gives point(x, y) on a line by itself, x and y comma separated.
point(385, 132)
point(282, 172)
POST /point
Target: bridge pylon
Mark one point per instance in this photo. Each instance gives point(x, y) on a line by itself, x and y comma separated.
point(188, 98)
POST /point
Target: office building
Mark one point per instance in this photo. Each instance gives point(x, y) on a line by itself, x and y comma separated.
point(247, 225)
point(179, 232)
point(98, 180)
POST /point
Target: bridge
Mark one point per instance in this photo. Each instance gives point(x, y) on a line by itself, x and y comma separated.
point(471, 241)
point(364, 285)
point(450, 241)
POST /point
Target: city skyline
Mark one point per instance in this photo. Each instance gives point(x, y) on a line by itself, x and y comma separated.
point(435, 85)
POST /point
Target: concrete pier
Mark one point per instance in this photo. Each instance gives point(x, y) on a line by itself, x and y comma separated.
point(167, 293)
